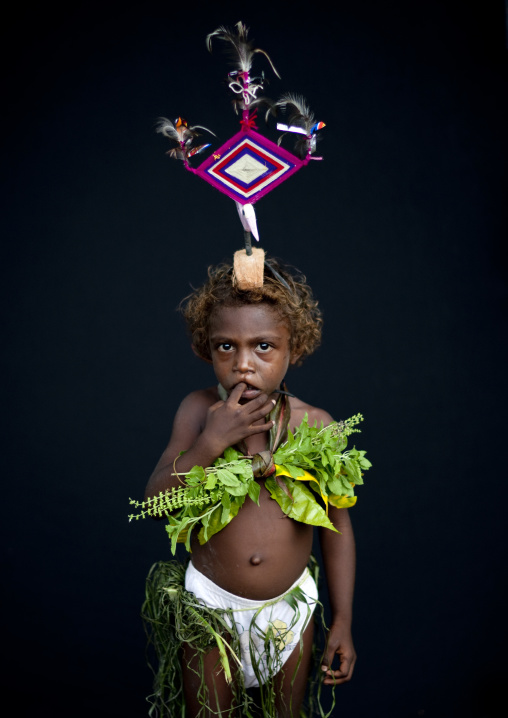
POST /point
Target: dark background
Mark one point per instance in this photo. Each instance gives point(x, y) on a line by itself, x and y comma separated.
point(400, 230)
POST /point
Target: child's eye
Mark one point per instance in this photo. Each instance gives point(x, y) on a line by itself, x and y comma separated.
point(264, 347)
point(225, 347)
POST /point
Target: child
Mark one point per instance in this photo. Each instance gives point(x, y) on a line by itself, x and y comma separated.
point(251, 338)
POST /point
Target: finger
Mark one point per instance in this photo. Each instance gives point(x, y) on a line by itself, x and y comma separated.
point(237, 392)
point(261, 411)
point(347, 661)
point(263, 427)
point(335, 678)
point(327, 661)
point(335, 681)
point(341, 675)
point(351, 667)
point(331, 677)
point(260, 402)
point(345, 664)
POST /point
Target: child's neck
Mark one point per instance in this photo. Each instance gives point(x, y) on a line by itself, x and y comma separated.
point(257, 443)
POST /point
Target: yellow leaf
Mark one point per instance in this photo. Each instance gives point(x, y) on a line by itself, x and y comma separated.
point(342, 502)
point(182, 536)
point(279, 471)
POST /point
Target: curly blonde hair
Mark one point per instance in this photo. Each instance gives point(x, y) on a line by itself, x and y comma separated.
point(284, 289)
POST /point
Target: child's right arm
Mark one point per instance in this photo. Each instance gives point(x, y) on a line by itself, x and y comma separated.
point(204, 430)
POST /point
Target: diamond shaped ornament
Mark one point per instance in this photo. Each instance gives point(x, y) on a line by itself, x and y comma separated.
point(248, 166)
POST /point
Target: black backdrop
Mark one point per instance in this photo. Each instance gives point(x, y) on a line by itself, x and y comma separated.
point(400, 232)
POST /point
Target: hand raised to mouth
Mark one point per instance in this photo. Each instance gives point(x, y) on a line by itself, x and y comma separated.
point(229, 422)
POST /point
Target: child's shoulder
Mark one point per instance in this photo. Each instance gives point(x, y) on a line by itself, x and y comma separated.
point(299, 408)
point(199, 401)
point(193, 409)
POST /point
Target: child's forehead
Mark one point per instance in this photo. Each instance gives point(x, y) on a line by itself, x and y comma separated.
point(259, 316)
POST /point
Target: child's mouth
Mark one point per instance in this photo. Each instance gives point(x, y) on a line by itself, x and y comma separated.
point(250, 392)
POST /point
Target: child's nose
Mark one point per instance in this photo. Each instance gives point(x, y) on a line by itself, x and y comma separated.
point(243, 361)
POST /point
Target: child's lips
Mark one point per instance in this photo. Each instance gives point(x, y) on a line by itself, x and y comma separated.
point(250, 392)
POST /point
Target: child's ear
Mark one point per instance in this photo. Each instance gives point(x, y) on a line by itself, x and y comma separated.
point(294, 358)
point(208, 361)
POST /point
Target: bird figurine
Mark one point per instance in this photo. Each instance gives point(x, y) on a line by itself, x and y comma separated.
point(300, 121)
point(180, 132)
point(242, 51)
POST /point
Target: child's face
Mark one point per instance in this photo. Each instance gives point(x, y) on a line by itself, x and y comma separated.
point(251, 344)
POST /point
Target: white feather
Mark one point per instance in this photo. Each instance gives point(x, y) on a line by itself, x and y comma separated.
point(248, 218)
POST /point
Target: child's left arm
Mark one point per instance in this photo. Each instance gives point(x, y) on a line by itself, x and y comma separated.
point(339, 558)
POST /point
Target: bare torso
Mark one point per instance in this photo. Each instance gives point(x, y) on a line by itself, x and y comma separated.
point(262, 552)
point(259, 555)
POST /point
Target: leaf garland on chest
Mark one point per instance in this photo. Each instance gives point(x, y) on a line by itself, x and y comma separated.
point(313, 470)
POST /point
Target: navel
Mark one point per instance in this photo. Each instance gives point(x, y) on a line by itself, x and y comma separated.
point(255, 560)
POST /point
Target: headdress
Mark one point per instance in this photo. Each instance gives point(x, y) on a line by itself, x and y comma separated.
point(248, 165)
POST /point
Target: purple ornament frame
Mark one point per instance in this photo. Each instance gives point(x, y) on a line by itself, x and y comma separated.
point(248, 146)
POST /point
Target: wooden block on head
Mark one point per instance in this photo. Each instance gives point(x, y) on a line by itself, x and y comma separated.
point(249, 269)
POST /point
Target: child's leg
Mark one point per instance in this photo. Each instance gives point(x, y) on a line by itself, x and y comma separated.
point(220, 693)
point(290, 697)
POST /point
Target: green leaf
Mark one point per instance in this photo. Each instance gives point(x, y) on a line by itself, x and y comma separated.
point(352, 469)
point(306, 509)
point(197, 473)
point(277, 493)
point(240, 490)
point(298, 594)
point(170, 529)
point(211, 481)
point(210, 519)
point(342, 444)
point(294, 471)
point(281, 456)
point(177, 532)
point(364, 463)
point(188, 538)
point(292, 600)
point(315, 488)
point(243, 468)
point(330, 456)
point(226, 507)
point(227, 477)
point(301, 504)
point(215, 523)
point(305, 446)
point(254, 490)
point(302, 431)
point(346, 482)
point(231, 454)
point(334, 485)
point(307, 462)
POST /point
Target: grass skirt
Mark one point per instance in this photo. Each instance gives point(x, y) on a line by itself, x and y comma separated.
point(173, 616)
